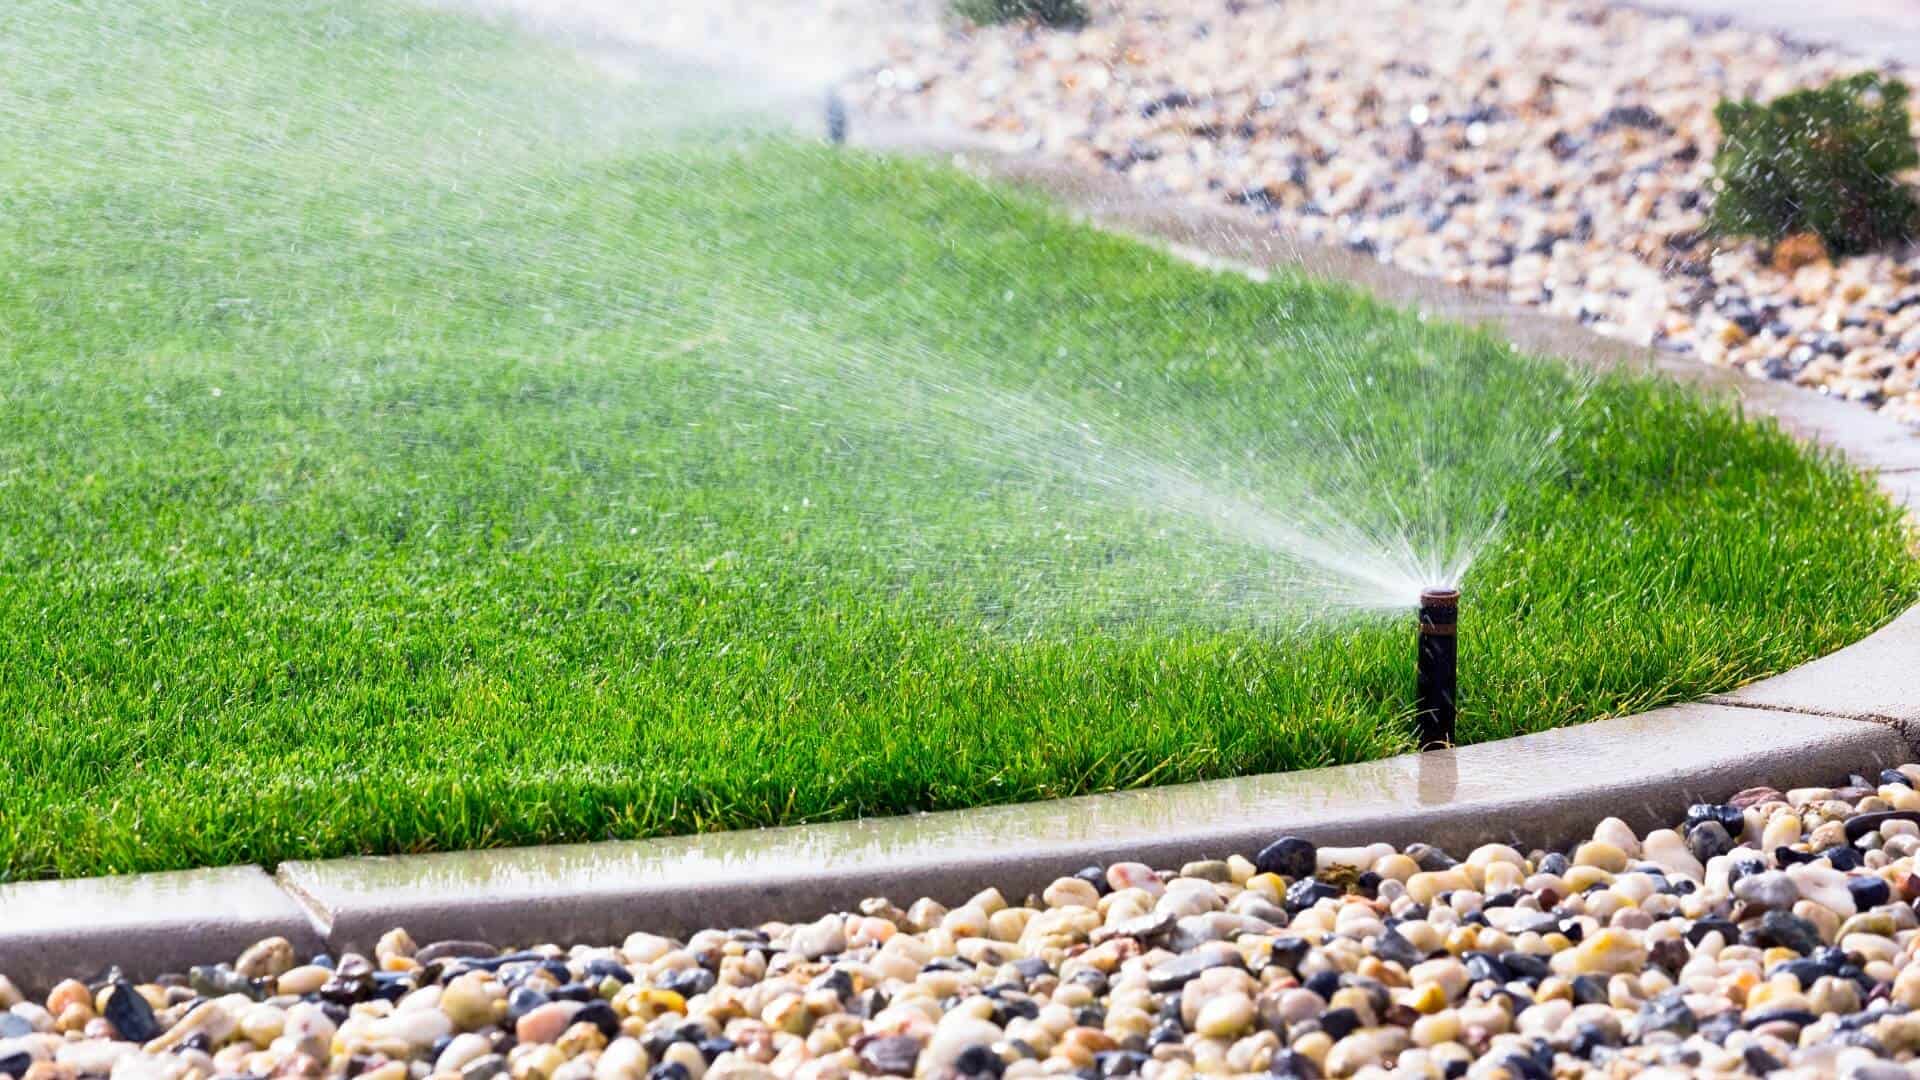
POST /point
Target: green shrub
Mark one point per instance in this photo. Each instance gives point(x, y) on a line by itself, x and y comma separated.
point(1048, 12)
point(1823, 160)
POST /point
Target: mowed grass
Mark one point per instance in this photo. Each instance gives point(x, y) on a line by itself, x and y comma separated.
point(412, 438)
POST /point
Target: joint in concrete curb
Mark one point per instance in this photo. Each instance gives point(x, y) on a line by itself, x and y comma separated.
point(316, 912)
point(1733, 702)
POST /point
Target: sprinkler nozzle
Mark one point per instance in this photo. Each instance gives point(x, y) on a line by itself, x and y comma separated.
point(1435, 671)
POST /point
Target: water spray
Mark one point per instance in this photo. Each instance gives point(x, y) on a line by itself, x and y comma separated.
point(1434, 678)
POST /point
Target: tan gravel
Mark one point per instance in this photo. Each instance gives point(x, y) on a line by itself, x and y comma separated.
point(1556, 153)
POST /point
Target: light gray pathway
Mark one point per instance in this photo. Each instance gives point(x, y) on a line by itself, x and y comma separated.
point(1887, 30)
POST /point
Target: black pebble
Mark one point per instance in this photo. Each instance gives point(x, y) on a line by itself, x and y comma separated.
point(1289, 856)
point(1483, 966)
point(1024, 1008)
point(522, 1001)
point(1307, 892)
point(1095, 877)
point(1796, 1017)
point(1339, 1023)
point(1729, 933)
point(868, 1004)
point(1093, 980)
point(602, 968)
point(1668, 1012)
point(1526, 1067)
point(1430, 858)
point(1841, 857)
point(344, 989)
point(669, 1070)
point(1526, 966)
point(1587, 1038)
point(600, 1015)
point(837, 981)
point(1869, 892)
point(1391, 946)
point(1033, 967)
point(1729, 816)
point(1787, 932)
point(978, 1060)
point(687, 982)
point(1323, 983)
point(1589, 990)
point(1293, 1065)
point(130, 1014)
point(657, 1042)
point(1861, 824)
point(1288, 951)
point(1784, 856)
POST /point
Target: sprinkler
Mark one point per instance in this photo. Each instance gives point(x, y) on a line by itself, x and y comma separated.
point(836, 119)
point(1434, 675)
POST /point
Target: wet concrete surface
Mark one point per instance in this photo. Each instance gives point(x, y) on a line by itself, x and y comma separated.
point(147, 923)
point(1548, 788)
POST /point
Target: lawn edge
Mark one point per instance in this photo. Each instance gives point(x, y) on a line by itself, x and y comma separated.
point(1853, 709)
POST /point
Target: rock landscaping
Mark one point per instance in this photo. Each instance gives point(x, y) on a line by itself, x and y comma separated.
point(1774, 934)
point(1559, 154)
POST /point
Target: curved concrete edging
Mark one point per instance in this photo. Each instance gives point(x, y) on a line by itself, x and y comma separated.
point(1857, 708)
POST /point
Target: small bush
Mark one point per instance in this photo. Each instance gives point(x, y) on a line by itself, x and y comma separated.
point(1823, 160)
point(1066, 13)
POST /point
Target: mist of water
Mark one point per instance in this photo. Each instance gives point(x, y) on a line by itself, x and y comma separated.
point(1389, 474)
point(1363, 470)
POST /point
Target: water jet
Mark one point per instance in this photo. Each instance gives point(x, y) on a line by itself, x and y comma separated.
point(1435, 669)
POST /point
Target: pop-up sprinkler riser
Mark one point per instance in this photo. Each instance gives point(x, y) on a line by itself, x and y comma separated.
point(1436, 667)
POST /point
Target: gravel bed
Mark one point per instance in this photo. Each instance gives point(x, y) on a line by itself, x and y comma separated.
point(1774, 934)
point(1557, 153)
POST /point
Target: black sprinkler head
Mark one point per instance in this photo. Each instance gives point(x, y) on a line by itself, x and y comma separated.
point(1435, 672)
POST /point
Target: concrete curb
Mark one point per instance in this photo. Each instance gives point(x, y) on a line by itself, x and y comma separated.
point(1540, 789)
point(147, 923)
point(1853, 710)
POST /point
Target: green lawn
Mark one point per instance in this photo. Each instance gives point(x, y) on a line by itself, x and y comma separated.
point(411, 438)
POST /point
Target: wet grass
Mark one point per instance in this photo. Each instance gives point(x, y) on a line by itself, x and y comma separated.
point(411, 439)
